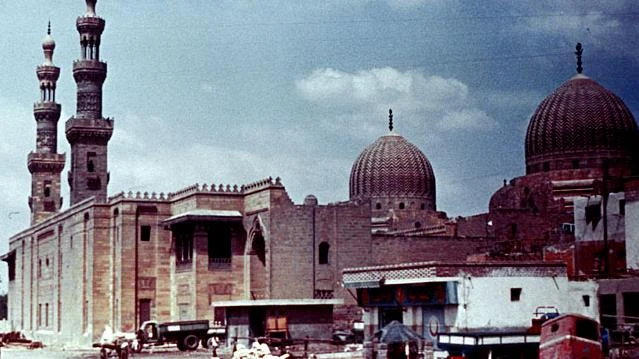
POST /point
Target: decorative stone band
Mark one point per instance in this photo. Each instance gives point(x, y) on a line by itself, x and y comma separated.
point(45, 162)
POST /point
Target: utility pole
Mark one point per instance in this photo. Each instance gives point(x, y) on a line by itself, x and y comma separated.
point(604, 200)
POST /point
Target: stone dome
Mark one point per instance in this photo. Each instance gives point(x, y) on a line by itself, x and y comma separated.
point(392, 167)
point(577, 126)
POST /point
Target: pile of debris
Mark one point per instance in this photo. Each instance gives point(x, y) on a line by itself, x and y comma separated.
point(257, 351)
point(18, 339)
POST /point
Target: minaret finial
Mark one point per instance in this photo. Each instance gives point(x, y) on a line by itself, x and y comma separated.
point(390, 119)
point(49, 28)
point(91, 7)
point(579, 51)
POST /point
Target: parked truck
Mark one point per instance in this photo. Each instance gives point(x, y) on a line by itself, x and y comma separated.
point(186, 334)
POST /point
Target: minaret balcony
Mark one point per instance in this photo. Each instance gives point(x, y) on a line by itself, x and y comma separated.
point(46, 106)
point(90, 24)
point(48, 72)
point(45, 162)
point(94, 69)
point(82, 128)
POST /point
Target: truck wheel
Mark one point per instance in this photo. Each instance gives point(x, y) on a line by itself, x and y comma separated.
point(191, 342)
point(180, 344)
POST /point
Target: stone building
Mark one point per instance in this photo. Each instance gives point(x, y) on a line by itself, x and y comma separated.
point(241, 256)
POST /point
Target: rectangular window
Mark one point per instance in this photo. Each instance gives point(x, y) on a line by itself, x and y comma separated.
point(586, 299)
point(183, 248)
point(515, 294)
point(145, 233)
point(622, 207)
point(219, 246)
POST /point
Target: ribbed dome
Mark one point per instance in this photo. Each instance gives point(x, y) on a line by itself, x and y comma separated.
point(392, 166)
point(579, 121)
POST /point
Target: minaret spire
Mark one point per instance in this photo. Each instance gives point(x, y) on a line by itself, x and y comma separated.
point(579, 51)
point(88, 132)
point(390, 119)
point(45, 164)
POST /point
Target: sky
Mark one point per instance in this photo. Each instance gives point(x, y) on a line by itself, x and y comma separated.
point(217, 91)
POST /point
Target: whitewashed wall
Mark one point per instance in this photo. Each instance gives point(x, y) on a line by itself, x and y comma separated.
point(485, 302)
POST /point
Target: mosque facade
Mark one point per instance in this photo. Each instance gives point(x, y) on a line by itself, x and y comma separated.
point(244, 255)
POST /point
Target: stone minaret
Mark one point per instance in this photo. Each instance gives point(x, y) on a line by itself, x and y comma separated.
point(45, 164)
point(88, 132)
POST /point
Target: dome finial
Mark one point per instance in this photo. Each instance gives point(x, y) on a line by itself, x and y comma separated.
point(49, 28)
point(390, 119)
point(579, 51)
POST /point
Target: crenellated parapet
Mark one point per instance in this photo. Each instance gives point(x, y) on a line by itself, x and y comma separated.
point(153, 196)
point(228, 188)
point(263, 184)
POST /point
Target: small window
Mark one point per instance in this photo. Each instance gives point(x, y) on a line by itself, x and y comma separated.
point(145, 233)
point(323, 252)
point(575, 164)
point(47, 189)
point(622, 207)
point(423, 206)
point(39, 268)
point(586, 299)
point(513, 230)
point(378, 206)
point(90, 161)
point(546, 166)
point(515, 294)
point(47, 261)
point(418, 224)
point(402, 205)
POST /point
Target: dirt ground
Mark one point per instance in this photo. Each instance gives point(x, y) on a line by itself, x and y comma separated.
point(53, 353)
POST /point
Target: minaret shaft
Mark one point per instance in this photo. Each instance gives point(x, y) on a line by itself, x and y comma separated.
point(88, 132)
point(45, 164)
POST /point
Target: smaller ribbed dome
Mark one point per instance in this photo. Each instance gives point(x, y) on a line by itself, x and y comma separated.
point(394, 167)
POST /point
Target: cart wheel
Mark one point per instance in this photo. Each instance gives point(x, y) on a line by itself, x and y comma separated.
point(103, 354)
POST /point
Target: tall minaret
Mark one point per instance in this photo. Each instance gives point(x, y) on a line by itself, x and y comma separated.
point(88, 132)
point(45, 164)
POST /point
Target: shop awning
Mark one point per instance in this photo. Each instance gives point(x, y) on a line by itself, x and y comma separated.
point(204, 215)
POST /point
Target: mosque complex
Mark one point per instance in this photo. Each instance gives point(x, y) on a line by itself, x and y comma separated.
point(238, 255)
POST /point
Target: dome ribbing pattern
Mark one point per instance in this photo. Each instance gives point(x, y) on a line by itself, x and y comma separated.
point(392, 166)
point(580, 120)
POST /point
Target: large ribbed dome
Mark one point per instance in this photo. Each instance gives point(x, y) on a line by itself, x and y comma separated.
point(394, 167)
point(580, 123)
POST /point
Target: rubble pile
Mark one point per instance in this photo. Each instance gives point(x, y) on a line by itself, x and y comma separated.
point(257, 351)
point(18, 339)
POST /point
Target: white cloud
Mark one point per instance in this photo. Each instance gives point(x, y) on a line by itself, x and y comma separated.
point(364, 97)
point(470, 118)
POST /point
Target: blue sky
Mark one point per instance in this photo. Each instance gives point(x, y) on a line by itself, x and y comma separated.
point(236, 91)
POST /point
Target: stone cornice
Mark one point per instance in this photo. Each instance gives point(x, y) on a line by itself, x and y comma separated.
point(78, 128)
point(45, 162)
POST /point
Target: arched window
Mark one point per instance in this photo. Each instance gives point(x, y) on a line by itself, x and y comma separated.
point(401, 205)
point(378, 206)
point(323, 252)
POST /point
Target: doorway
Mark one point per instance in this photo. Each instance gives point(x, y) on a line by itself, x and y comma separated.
point(144, 310)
